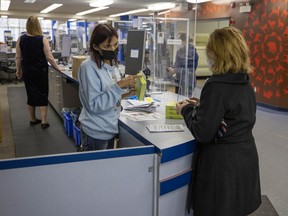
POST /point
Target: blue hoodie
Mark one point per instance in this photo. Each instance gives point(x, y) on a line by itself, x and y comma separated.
point(100, 97)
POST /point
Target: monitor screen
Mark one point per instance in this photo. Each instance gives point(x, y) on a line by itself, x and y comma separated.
point(135, 52)
point(56, 54)
point(66, 46)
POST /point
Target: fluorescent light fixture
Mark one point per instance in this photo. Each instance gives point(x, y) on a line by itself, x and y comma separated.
point(164, 12)
point(72, 20)
point(101, 3)
point(91, 11)
point(4, 16)
point(4, 5)
point(29, 1)
point(161, 6)
point(197, 1)
point(220, 2)
point(40, 18)
point(129, 12)
point(51, 8)
point(102, 21)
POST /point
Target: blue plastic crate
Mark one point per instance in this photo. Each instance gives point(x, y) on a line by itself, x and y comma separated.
point(76, 135)
point(68, 124)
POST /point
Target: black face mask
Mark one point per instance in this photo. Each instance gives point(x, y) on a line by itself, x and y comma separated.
point(109, 54)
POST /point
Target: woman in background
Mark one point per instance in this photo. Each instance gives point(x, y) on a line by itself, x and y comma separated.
point(101, 90)
point(32, 53)
point(226, 178)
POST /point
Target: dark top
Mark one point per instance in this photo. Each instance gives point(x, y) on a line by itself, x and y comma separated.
point(192, 64)
point(226, 175)
point(35, 70)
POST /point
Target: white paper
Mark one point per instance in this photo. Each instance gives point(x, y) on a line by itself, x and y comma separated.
point(160, 38)
point(138, 103)
point(141, 116)
point(134, 53)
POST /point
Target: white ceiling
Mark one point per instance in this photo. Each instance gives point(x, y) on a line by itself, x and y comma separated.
point(19, 9)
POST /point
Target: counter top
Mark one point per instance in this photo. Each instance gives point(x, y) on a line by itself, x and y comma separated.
point(169, 143)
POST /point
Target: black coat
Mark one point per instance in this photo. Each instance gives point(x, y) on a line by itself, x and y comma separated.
point(226, 178)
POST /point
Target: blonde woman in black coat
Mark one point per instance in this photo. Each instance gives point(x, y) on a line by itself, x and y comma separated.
point(226, 178)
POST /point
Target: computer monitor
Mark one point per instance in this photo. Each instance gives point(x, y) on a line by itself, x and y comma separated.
point(56, 55)
point(134, 56)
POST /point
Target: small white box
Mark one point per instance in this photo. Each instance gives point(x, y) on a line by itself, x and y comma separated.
point(245, 9)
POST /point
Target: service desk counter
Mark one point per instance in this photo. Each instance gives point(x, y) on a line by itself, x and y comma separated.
point(147, 175)
point(175, 150)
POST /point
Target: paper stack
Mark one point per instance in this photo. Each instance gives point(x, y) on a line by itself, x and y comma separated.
point(141, 106)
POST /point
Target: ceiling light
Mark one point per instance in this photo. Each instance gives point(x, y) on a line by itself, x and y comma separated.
point(4, 16)
point(164, 12)
point(197, 1)
point(4, 5)
point(161, 6)
point(129, 12)
point(220, 2)
point(91, 11)
point(101, 3)
point(102, 21)
point(50, 8)
point(40, 18)
point(29, 1)
point(72, 20)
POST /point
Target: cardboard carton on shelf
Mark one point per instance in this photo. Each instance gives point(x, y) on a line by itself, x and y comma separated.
point(76, 62)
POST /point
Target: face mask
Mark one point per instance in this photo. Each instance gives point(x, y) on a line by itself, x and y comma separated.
point(210, 63)
point(109, 54)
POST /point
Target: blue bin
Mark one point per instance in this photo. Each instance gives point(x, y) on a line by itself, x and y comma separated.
point(76, 135)
point(68, 124)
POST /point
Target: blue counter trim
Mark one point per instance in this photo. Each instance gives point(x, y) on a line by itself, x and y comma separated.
point(175, 183)
point(167, 154)
point(135, 134)
point(70, 78)
point(178, 151)
point(139, 137)
point(74, 157)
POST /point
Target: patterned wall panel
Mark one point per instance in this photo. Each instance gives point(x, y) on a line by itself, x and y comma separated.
point(266, 30)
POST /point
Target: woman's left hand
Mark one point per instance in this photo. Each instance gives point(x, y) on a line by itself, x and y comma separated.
point(128, 82)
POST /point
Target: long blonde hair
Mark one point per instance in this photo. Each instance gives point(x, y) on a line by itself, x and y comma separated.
point(227, 51)
point(33, 26)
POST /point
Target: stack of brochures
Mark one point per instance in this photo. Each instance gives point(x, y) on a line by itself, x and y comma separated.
point(141, 106)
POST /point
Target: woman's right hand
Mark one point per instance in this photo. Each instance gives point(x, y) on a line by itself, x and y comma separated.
point(171, 71)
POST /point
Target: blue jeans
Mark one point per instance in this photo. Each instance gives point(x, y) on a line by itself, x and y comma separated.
point(89, 143)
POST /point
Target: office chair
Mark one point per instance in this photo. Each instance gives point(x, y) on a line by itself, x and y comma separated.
point(7, 65)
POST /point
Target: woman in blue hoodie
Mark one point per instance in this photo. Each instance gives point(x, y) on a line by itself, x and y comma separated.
point(226, 178)
point(101, 90)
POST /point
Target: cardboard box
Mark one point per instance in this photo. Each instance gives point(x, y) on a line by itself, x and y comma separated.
point(76, 62)
point(171, 112)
